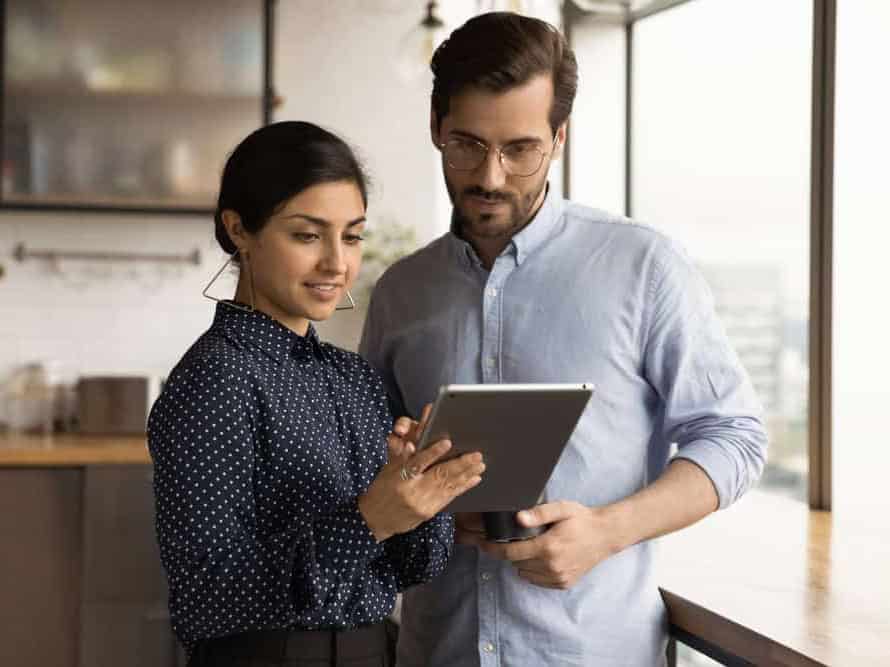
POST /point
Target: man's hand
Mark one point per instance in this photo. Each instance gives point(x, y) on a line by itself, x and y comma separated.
point(578, 539)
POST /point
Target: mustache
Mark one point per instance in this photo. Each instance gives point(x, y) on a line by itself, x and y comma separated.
point(488, 195)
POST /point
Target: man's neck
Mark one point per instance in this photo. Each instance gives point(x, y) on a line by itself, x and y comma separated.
point(489, 248)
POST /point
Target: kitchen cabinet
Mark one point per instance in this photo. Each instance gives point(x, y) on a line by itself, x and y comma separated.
point(40, 564)
point(128, 105)
point(82, 580)
point(123, 602)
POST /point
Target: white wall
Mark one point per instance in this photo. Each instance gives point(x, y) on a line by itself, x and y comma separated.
point(597, 137)
point(332, 68)
point(335, 65)
point(861, 366)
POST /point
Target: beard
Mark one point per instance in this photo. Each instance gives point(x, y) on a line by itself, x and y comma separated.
point(520, 209)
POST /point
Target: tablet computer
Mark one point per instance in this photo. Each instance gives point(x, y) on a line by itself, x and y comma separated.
point(521, 430)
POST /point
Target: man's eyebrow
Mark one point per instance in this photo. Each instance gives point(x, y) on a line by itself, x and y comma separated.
point(517, 140)
point(322, 221)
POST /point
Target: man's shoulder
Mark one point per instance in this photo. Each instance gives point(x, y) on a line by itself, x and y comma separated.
point(631, 234)
point(606, 221)
point(420, 263)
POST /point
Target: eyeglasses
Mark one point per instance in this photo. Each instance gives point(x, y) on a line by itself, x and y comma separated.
point(522, 158)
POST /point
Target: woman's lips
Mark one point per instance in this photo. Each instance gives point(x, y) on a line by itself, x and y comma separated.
point(324, 291)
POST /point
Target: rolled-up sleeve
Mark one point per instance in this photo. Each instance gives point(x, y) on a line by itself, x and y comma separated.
point(710, 408)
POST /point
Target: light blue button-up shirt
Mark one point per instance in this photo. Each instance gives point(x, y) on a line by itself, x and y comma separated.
point(577, 296)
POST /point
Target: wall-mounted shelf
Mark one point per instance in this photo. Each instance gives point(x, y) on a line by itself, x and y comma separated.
point(22, 253)
point(125, 107)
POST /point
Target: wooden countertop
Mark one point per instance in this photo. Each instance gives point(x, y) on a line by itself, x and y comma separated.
point(71, 450)
point(774, 583)
point(767, 581)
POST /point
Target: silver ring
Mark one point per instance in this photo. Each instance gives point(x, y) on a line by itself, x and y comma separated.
point(407, 472)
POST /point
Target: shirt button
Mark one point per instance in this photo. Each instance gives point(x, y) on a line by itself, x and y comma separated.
point(490, 362)
point(486, 576)
point(488, 647)
point(492, 292)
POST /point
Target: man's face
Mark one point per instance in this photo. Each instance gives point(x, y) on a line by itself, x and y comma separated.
point(491, 203)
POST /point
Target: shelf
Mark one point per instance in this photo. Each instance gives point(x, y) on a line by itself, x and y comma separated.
point(125, 107)
point(53, 93)
point(184, 203)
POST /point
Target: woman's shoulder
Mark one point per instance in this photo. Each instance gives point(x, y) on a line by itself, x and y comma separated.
point(359, 376)
point(214, 361)
point(350, 363)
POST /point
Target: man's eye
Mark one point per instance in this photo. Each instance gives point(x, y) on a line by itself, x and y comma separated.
point(353, 239)
point(467, 146)
point(518, 150)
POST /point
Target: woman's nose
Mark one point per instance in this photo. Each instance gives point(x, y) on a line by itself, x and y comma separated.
point(333, 259)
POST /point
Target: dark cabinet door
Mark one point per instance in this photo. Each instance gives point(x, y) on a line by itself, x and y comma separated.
point(40, 565)
point(124, 619)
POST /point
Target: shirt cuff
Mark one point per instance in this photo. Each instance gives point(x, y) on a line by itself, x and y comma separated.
point(344, 538)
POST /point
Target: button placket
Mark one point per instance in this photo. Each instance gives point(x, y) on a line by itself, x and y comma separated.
point(492, 295)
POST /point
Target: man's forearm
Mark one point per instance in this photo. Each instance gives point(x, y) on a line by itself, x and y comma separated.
point(680, 497)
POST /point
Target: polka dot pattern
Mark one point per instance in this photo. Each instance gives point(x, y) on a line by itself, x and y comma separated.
point(262, 441)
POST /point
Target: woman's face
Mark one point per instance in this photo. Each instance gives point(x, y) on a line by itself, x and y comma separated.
point(307, 255)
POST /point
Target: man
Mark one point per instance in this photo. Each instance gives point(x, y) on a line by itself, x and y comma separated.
point(527, 287)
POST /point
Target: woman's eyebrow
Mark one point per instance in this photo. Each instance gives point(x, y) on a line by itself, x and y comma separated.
point(322, 221)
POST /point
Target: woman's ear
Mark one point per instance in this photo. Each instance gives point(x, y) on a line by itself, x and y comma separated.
point(235, 229)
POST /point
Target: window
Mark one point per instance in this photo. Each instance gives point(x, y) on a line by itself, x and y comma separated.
point(720, 161)
point(861, 320)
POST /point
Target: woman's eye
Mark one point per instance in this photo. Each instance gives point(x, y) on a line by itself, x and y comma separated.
point(353, 239)
point(305, 237)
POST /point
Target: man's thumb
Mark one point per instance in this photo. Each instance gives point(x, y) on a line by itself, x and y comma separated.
point(541, 515)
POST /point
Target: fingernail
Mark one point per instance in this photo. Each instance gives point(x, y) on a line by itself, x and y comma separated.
point(524, 516)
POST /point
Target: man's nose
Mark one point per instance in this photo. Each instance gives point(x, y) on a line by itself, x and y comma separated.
point(492, 175)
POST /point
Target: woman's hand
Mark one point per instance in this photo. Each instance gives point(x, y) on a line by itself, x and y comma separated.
point(413, 486)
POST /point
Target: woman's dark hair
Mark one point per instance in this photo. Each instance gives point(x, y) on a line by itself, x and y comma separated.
point(274, 164)
point(499, 51)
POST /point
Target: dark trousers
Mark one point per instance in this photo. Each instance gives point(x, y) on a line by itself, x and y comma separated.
point(363, 647)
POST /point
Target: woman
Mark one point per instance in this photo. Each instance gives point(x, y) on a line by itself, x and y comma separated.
point(284, 531)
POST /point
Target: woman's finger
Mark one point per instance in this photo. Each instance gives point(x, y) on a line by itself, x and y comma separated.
point(418, 427)
point(425, 416)
point(463, 464)
point(394, 447)
point(403, 426)
point(428, 456)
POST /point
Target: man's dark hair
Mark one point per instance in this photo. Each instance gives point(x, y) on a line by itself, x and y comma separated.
point(499, 51)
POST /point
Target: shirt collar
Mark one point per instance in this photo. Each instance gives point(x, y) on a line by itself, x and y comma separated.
point(524, 242)
point(258, 330)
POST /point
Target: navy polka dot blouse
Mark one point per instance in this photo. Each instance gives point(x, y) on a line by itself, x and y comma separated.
point(262, 441)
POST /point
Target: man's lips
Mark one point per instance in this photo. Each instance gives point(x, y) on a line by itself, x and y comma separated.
point(488, 202)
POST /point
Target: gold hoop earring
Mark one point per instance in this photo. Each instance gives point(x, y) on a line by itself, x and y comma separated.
point(231, 304)
point(348, 306)
point(246, 260)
